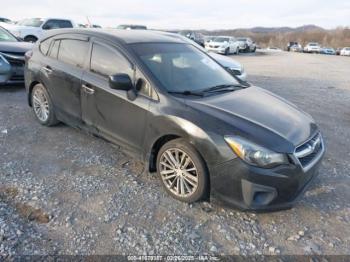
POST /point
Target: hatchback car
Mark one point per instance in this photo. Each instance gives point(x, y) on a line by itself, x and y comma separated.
point(171, 105)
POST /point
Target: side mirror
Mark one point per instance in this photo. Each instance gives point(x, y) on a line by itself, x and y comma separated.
point(120, 82)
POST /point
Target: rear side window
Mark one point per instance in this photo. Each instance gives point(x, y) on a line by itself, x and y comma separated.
point(56, 24)
point(54, 49)
point(73, 52)
point(107, 61)
point(44, 46)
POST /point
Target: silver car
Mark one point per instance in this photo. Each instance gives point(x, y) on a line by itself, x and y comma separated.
point(12, 58)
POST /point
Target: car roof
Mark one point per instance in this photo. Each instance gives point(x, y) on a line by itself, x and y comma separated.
point(121, 36)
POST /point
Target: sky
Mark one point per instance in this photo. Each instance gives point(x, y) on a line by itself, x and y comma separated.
point(186, 14)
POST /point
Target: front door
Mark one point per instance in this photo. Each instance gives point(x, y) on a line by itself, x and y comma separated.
point(109, 111)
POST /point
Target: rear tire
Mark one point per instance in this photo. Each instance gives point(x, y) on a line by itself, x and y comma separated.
point(42, 106)
point(182, 171)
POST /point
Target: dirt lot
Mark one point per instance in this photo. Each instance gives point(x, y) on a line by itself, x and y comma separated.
point(65, 192)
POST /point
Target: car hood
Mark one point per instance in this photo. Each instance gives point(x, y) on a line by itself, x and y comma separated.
point(217, 43)
point(226, 61)
point(260, 116)
point(15, 47)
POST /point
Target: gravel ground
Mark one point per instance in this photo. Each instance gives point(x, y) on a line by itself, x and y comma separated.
point(63, 191)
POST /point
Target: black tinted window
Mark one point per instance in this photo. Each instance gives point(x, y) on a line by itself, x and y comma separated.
point(73, 52)
point(54, 49)
point(106, 61)
point(45, 45)
point(55, 24)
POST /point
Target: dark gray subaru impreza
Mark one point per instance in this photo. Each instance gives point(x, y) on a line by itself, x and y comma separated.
point(171, 105)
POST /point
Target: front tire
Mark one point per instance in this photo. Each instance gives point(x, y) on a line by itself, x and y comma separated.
point(182, 171)
point(42, 106)
point(31, 39)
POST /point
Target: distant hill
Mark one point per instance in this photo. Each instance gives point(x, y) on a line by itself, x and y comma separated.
point(280, 36)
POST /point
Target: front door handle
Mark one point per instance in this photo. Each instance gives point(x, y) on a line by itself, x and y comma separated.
point(88, 90)
point(48, 69)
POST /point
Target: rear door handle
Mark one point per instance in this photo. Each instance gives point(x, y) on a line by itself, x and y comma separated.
point(88, 90)
point(48, 69)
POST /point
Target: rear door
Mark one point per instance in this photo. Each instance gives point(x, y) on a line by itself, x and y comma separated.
point(109, 111)
point(63, 72)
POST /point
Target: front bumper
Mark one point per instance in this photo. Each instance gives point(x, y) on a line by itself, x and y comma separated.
point(11, 72)
point(219, 50)
point(258, 189)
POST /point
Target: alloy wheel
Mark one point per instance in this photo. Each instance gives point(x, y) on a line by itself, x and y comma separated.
point(41, 105)
point(178, 172)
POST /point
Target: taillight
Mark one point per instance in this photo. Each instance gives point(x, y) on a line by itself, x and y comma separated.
point(28, 54)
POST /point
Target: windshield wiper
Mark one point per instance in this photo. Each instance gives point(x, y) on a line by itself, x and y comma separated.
point(186, 93)
point(225, 87)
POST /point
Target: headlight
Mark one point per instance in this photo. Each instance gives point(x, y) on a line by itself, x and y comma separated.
point(3, 59)
point(254, 154)
point(16, 33)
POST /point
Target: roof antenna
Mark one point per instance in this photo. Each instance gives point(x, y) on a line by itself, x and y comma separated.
point(89, 23)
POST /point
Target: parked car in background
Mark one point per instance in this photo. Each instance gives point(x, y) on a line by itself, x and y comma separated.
point(223, 45)
point(345, 51)
point(327, 51)
point(12, 58)
point(194, 36)
point(246, 44)
point(169, 104)
point(231, 65)
point(32, 29)
point(207, 39)
point(312, 47)
point(291, 44)
point(296, 48)
point(5, 20)
point(132, 27)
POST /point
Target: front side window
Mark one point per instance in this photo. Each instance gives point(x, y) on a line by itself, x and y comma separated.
point(56, 24)
point(106, 61)
point(73, 51)
point(182, 67)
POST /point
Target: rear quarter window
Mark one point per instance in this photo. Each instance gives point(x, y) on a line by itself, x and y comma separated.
point(44, 46)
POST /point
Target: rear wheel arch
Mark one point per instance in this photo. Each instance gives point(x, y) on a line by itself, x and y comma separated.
point(30, 90)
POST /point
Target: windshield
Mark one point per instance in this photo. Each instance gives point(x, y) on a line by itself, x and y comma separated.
point(6, 36)
point(34, 22)
point(182, 67)
point(241, 39)
point(221, 39)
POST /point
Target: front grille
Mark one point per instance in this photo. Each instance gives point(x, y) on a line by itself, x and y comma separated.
point(17, 78)
point(214, 46)
point(15, 59)
point(308, 152)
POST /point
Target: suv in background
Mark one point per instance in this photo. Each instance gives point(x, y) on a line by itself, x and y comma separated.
point(32, 29)
point(246, 44)
point(194, 36)
point(291, 44)
point(312, 47)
